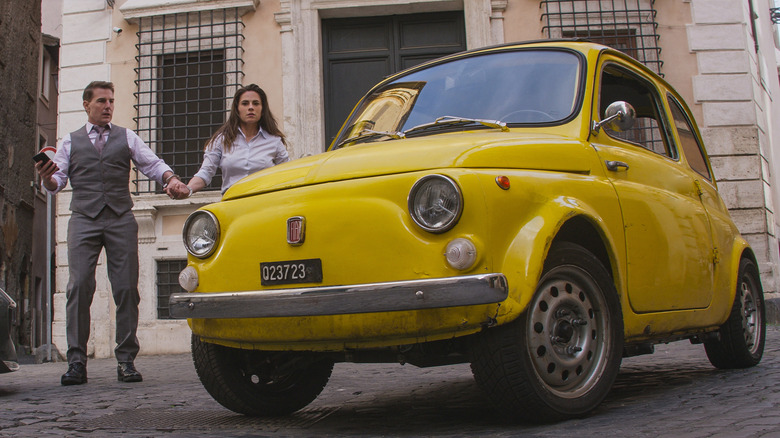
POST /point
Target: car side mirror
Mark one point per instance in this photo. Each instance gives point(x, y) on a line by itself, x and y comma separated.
point(619, 116)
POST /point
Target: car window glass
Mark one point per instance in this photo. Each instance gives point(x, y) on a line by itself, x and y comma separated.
point(617, 84)
point(688, 140)
point(518, 87)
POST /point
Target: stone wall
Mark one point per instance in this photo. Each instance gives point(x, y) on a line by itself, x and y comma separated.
point(20, 24)
point(735, 91)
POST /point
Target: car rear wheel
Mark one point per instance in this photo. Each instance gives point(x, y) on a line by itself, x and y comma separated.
point(740, 342)
point(560, 358)
point(260, 383)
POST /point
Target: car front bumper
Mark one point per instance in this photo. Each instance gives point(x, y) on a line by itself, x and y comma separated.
point(341, 300)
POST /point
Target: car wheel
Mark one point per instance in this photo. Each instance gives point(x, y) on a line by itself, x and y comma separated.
point(560, 358)
point(740, 342)
point(260, 383)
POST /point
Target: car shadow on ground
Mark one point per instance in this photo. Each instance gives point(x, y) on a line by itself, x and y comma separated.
point(459, 404)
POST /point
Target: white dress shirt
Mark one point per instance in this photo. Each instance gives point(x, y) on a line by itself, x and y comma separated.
point(245, 157)
point(143, 157)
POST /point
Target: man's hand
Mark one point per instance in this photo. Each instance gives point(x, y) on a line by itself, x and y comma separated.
point(46, 171)
point(177, 189)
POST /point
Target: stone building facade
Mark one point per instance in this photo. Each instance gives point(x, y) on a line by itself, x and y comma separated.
point(737, 88)
point(20, 24)
point(169, 60)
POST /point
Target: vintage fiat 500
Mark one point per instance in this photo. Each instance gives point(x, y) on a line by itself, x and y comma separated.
point(537, 210)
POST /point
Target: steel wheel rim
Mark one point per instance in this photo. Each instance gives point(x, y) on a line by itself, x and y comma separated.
point(751, 317)
point(568, 335)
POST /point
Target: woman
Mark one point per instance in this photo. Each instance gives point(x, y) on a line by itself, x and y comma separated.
point(247, 142)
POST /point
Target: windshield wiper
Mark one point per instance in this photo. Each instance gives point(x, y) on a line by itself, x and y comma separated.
point(369, 133)
point(452, 120)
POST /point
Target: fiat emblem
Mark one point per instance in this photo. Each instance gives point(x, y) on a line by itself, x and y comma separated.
point(296, 227)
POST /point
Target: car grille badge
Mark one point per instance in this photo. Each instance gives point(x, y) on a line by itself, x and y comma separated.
point(296, 227)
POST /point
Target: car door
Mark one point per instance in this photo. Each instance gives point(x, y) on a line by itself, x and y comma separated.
point(721, 225)
point(669, 250)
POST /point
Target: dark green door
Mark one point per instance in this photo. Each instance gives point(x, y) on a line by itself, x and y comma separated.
point(359, 52)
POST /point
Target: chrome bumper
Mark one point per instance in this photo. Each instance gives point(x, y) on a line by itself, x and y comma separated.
point(339, 300)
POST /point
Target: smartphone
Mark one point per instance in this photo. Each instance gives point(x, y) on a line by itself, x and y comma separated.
point(42, 157)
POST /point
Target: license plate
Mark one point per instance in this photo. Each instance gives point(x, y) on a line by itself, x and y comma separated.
point(291, 272)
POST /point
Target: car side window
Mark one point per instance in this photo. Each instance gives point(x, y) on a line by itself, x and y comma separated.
point(689, 142)
point(618, 84)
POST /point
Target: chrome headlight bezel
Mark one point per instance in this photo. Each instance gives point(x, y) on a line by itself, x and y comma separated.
point(449, 207)
point(196, 240)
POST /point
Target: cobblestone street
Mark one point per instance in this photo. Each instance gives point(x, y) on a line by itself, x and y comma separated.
point(674, 392)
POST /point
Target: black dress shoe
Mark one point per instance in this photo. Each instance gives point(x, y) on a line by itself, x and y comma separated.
point(76, 374)
point(126, 372)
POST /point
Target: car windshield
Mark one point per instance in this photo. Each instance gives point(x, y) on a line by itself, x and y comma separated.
point(519, 87)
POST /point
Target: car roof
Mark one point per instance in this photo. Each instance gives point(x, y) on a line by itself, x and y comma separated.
point(588, 48)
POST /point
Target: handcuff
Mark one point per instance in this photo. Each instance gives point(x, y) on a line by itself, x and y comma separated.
point(167, 180)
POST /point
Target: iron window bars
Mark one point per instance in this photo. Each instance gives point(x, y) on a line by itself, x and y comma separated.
point(189, 67)
point(627, 25)
point(168, 284)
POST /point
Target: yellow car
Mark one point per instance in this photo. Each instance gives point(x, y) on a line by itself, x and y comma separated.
point(537, 210)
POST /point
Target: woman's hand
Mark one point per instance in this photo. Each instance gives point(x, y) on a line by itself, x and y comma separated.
point(177, 190)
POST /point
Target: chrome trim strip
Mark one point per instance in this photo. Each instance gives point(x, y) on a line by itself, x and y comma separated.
point(338, 300)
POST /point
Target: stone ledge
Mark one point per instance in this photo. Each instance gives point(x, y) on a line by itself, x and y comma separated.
point(132, 10)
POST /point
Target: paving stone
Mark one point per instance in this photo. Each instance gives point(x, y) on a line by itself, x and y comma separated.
point(674, 392)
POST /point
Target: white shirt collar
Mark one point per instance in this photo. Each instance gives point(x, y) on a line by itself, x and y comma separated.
point(259, 132)
point(90, 126)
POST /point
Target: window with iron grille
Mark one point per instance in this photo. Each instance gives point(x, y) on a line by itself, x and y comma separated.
point(189, 67)
point(626, 25)
point(167, 284)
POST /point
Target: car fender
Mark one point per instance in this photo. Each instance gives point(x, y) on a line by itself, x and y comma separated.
point(524, 258)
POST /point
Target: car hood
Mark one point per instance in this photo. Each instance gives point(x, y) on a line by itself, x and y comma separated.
point(464, 150)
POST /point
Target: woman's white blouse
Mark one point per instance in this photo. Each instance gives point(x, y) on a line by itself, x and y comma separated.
point(245, 157)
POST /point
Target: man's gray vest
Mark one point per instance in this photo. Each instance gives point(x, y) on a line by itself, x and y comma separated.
point(100, 180)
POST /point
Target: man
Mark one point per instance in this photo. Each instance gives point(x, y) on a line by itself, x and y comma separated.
point(96, 158)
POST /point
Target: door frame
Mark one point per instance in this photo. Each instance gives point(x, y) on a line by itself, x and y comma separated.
point(400, 51)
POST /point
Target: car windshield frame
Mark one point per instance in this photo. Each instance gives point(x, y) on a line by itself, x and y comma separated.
point(431, 95)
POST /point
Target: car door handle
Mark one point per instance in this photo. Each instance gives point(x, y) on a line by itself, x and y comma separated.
point(615, 165)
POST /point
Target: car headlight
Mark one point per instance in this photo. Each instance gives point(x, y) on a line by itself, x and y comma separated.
point(435, 203)
point(201, 233)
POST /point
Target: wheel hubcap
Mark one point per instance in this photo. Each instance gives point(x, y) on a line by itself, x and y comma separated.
point(751, 317)
point(568, 335)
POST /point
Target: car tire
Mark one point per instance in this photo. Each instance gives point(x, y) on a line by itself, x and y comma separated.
point(260, 383)
point(559, 359)
point(740, 340)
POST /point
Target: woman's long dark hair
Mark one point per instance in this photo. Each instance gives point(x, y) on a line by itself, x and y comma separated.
point(229, 129)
